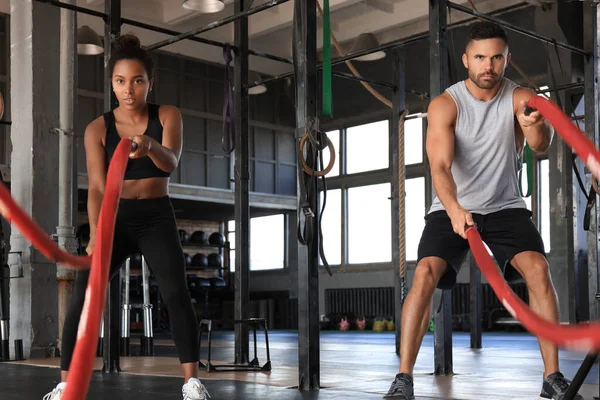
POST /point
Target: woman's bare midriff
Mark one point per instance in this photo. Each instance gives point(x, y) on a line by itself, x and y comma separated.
point(145, 188)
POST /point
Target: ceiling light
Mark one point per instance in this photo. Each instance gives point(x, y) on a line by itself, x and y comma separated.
point(205, 6)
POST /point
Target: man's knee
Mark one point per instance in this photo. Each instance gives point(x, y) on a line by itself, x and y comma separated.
point(537, 274)
point(428, 273)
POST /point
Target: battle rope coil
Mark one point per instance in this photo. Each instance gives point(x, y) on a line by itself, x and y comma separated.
point(577, 337)
point(80, 370)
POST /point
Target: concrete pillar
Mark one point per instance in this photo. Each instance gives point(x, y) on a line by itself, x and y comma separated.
point(35, 33)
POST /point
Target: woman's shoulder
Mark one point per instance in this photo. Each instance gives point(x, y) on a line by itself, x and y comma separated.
point(96, 128)
point(168, 112)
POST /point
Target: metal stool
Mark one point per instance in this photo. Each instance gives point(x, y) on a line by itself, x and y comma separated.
point(147, 340)
point(253, 365)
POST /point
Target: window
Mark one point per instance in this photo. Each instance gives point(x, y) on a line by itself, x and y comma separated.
point(367, 147)
point(545, 203)
point(231, 240)
point(414, 211)
point(413, 141)
point(267, 243)
point(334, 137)
point(369, 224)
point(331, 224)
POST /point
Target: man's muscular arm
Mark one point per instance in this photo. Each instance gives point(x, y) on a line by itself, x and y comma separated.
point(441, 117)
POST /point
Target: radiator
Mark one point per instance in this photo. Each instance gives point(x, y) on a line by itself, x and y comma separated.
point(379, 301)
point(368, 302)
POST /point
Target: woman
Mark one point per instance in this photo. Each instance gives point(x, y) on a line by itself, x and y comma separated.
point(145, 220)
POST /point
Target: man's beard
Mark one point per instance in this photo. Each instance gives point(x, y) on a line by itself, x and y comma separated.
point(485, 84)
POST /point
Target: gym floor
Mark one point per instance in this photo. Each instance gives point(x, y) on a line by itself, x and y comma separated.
point(353, 365)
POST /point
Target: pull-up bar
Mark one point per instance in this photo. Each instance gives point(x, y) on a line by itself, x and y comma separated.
point(522, 31)
point(217, 24)
point(158, 29)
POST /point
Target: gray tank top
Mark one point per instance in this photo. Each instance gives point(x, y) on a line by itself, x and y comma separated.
point(486, 164)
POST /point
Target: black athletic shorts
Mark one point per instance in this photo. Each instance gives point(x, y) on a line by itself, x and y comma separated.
point(506, 233)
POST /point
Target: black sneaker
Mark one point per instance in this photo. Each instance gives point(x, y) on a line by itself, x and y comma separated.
point(402, 388)
point(555, 386)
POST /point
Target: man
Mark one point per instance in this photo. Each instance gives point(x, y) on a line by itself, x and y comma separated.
point(476, 131)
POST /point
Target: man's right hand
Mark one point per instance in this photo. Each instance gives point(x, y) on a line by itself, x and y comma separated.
point(460, 218)
point(90, 247)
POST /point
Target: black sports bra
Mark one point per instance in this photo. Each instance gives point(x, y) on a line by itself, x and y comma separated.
point(138, 168)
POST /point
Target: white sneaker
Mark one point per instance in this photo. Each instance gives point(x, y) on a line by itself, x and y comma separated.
point(56, 393)
point(193, 390)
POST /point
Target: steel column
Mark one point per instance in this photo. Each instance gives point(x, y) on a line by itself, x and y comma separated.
point(65, 232)
point(305, 64)
point(439, 81)
point(237, 16)
point(591, 97)
point(242, 186)
point(398, 189)
point(112, 334)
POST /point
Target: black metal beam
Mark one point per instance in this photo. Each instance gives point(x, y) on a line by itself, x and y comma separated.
point(574, 85)
point(476, 303)
point(388, 46)
point(439, 81)
point(242, 187)
point(232, 18)
point(515, 28)
point(398, 190)
point(305, 64)
point(347, 75)
point(112, 315)
point(159, 29)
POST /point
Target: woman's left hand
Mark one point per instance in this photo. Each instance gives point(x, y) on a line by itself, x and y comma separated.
point(144, 145)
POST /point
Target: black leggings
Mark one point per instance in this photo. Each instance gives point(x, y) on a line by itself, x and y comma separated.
point(148, 227)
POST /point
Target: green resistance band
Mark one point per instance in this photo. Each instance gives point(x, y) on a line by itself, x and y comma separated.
point(529, 167)
point(327, 95)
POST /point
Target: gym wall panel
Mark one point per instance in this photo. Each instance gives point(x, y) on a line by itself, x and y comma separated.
point(193, 95)
point(215, 97)
point(167, 87)
point(286, 148)
point(264, 177)
point(194, 132)
point(286, 182)
point(264, 144)
point(193, 168)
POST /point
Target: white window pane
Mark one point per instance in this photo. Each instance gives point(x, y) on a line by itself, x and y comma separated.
point(414, 211)
point(331, 224)
point(231, 239)
point(367, 147)
point(334, 138)
point(231, 225)
point(413, 141)
point(232, 260)
point(267, 242)
point(545, 203)
point(369, 224)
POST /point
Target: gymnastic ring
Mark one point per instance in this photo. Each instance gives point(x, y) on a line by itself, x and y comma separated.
point(308, 169)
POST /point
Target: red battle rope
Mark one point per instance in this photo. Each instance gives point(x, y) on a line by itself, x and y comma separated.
point(80, 370)
point(584, 337)
point(14, 214)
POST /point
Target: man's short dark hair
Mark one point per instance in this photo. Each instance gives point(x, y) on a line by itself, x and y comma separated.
point(486, 30)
